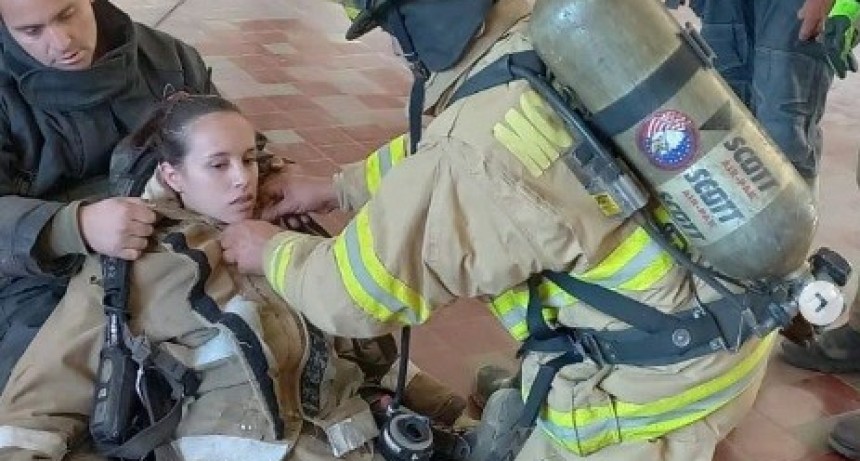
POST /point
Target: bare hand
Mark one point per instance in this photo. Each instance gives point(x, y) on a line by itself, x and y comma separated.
point(287, 194)
point(243, 244)
point(117, 227)
point(813, 13)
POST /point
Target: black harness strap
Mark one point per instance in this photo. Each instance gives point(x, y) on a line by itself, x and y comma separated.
point(499, 73)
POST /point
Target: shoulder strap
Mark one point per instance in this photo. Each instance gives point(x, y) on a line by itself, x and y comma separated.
point(499, 73)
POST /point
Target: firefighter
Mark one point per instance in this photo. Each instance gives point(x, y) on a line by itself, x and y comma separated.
point(483, 204)
point(271, 385)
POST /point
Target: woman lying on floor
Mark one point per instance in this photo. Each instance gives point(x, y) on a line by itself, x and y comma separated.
point(271, 386)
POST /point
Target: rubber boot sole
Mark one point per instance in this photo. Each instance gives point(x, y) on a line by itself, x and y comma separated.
point(844, 450)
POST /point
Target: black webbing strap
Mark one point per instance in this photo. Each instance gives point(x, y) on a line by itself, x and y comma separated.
point(655, 338)
point(129, 179)
point(628, 310)
point(499, 73)
point(651, 93)
point(182, 381)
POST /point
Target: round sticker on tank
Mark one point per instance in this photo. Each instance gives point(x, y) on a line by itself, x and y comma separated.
point(669, 138)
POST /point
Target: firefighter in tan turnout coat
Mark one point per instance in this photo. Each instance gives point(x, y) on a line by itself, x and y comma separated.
point(483, 204)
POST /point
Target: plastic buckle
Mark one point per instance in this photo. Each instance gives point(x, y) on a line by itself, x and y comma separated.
point(698, 44)
point(586, 345)
point(419, 70)
point(141, 350)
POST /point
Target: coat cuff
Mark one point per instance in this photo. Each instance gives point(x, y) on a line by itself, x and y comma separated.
point(63, 235)
point(350, 187)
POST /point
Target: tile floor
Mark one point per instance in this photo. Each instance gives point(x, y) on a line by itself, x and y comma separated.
point(324, 101)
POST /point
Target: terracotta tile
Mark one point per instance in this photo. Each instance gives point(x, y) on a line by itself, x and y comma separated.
point(288, 60)
point(272, 24)
point(314, 89)
point(269, 75)
point(282, 137)
point(226, 36)
point(256, 62)
point(758, 438)
point(830, 456)
point(814, 434)
point(342, 103)
point(371, 133)
point(323, 136)
point(383, 101)
point(297, 152)
point(726, 452)
point(269, 121)
point(256, 105)
point(293, 102)
point(308, 118)
point(343, 153)
point(265, 37)
point(229, 48)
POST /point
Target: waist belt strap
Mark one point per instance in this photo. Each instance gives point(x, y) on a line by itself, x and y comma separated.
point(655, 338)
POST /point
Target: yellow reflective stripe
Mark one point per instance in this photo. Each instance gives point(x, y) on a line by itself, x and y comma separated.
point(380, 162)
point(383, 295)
point(359, 295)
point(511, 306)
point(278, 266)
point(635, 265)
point(619, 257)
point(741, 369)
point(507, 309)
point(545, 120)
point(398, 148)
point(533, 133)
point(372, 175)
point(651, 275)
point(587, 430)
point(520, 148)
point(351, 12)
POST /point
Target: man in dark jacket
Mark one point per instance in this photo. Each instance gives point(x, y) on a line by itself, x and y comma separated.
point(76, 76)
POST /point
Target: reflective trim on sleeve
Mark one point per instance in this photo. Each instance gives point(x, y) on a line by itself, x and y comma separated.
point(385, 158)
point(370, 285)
point(278, 265)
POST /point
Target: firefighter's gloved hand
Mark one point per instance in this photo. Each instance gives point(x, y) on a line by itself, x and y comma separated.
point(292, 193)
point(244, 242)
point(840, 36)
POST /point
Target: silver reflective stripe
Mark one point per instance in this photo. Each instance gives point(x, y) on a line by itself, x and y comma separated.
point(228, 448)
point(707, 404)
point(43, 442)
point(643, 258)
point(359, 270)
point(352, 433)
point(517, 314)
point(513, 317)
point(384, 155)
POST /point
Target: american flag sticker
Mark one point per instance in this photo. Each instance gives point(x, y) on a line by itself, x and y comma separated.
point(669, 138)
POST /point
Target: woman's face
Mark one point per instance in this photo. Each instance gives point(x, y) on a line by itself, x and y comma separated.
point(218, 176)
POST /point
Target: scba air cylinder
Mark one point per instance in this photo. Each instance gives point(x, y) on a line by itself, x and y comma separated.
point(724, 182)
